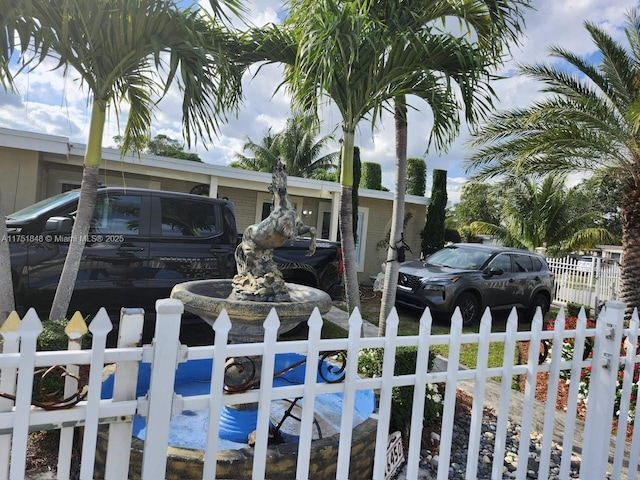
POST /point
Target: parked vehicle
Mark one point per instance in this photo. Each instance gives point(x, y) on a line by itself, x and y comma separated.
point(475, 276)
point(141, 243)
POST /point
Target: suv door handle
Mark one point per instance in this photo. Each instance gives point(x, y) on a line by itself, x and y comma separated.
point(130, 249)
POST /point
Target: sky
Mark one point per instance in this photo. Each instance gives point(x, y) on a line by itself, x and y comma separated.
point(47, 102)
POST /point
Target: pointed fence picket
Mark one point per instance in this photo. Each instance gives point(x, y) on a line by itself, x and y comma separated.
point(11, 345)
point(124, 388)
point(29, 330)
point(19, 360)
point(75, 330)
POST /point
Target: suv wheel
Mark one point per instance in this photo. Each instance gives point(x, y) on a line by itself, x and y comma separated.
point(469, 308)
point(539, 300)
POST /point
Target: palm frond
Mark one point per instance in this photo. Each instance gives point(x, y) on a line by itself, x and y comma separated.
point(149, 42)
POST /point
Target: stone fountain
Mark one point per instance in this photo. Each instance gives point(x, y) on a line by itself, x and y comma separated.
point(259, 286)
point(248, 298)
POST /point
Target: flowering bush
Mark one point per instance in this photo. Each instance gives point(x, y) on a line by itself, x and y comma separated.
point(370, 365)
point(568, 346)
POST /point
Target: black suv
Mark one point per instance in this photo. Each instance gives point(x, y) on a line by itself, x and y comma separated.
point(474, 276)
point(141, 243)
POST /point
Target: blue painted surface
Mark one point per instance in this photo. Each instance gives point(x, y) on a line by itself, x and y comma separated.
point(188, 429)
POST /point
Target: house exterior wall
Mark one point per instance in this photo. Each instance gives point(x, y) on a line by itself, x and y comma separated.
point(36, 166)
point(379, 227)
point(20, 179)
point(244, 202)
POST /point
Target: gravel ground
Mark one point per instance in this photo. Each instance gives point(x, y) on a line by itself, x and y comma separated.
point(458, 460)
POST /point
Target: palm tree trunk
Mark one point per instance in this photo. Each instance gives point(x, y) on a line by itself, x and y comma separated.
point(352, 290)
point(86, 206)
point(7, 304)
point(397, 217)
point(630, 215)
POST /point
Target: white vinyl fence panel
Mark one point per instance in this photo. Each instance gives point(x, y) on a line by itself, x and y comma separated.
point(18, 416)
point(589, 283)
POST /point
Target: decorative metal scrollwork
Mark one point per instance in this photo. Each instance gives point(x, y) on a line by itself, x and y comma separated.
point(336, 370)
point(54, 376)
point(240, 372)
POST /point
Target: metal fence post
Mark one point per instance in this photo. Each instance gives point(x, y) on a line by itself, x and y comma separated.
point(602, 387)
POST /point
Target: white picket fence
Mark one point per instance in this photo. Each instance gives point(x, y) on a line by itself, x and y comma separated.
point(589, 283)
point(18, 416)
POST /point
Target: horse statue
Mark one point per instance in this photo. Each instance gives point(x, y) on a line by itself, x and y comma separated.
point(258, 278)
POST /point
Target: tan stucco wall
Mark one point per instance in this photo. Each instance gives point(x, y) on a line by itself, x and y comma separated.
point(379, 224)
point(19, 182)
point(413, 229)
point(244, 202)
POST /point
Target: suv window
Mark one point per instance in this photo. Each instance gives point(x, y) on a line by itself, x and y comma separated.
point(117, 214)
point(523, 263)
point(188, 218)
point(537, 264)
point(502, 261)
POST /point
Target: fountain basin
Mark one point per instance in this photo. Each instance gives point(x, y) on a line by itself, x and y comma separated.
point(207, 298)
point(188, 429)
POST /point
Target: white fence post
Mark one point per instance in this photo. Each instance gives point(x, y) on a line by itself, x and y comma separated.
point(11, 339)
point(386, 394)
point(163, 375)
point(76, 329)
point(629, 362)
point(351, 375)
point(99, 327)
point(221, 329)
point(271, 325)
point(29, 330)
point(125, 381)
point(602, 387)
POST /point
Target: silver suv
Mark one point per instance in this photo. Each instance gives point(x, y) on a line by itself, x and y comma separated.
point(474, 276)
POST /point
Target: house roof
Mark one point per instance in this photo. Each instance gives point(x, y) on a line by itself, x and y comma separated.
point(62, 146)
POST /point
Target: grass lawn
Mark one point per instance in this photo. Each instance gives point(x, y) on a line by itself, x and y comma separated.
point(409, 325)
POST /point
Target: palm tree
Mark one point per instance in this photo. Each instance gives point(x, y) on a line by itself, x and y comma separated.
point(325, 50)
point(266, 154)
point(543, 214)
point(363, 56)
point(441, 58)
point(301, 148)
point(587, 122)
point(124, 51)
point(297, 144)
point(342, 55)
point(353, 53)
